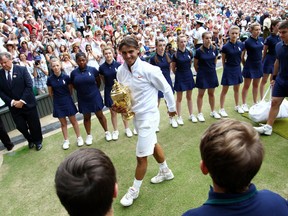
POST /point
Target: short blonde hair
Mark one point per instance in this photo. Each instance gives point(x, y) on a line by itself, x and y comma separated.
point(107, 48)
point(234, 27)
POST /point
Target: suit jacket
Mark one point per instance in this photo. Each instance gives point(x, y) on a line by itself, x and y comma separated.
point(21, 87)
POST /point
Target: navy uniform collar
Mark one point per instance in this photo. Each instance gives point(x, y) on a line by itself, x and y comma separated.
point(225, 198)
point(160, 55)
point(233, 43)
point(110, 64)
point(181, 51)
point(84, 69)
point(60, 76)
point(256, 39)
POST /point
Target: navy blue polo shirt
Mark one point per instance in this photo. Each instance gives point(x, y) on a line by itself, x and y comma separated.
point(282, 56)
point(60, 85)
point(271, 42)
point(233, 53)
point(250, 203)
point(109, 72)
point(254, 48)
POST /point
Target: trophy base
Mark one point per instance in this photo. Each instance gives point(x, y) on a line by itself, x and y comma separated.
point(129, 116)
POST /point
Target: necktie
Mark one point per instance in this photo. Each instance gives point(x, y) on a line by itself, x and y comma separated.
point(9, 79)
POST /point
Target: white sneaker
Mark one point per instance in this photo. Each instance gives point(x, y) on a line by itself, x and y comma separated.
point(180, 120)
point(66, 144)
point(201, 117)
point(193, 118)
point(173, 122)
point(108, 136)
point(264, 129)
point(245, 108)
point(135, 132)
point(115, 135)
point(128, 132)
point(223, 113)
point(239, 109)
point(80, 141)
point(89, 140)
point(129, 197)
point(215, 115)
point(162, 176)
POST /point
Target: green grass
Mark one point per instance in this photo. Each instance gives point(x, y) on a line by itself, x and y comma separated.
point(27, 176)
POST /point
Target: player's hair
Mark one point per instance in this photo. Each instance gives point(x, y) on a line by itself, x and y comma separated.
point(128, 41)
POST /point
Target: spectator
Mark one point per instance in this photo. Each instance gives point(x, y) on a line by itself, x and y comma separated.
point(75, 49)
point(67, 64)
point(35, 45)
point(198, 41)
point(28, 64)
point(40, 73)
point(11, 48)
point(24, 49)
point(92, 57)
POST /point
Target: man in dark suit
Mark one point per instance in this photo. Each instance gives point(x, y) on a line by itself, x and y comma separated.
point(16, 91)
point(4, 137)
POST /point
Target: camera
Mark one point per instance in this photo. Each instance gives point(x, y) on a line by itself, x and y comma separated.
point(37, 62)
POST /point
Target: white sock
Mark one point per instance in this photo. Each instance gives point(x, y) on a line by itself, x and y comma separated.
point(163, 166)
point(137, 184)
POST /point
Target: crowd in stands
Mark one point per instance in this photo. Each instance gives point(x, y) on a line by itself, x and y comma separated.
point(40, 30)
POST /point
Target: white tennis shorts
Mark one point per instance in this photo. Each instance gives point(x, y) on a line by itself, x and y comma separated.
point(147, 138)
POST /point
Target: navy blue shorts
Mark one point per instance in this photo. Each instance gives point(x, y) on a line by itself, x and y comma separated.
point(280, 90)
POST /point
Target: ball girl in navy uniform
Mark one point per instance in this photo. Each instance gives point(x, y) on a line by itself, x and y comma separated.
point(206, 78)
point(162, 60)
point(85, 80)
point(184, 82)
point(269, 54)
point(108, 73)
point(252, 70)
point(232, 76)
point(60, 88)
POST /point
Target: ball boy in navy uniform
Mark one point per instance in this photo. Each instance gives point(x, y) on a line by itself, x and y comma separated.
point(232, 154)
point(279, 80)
